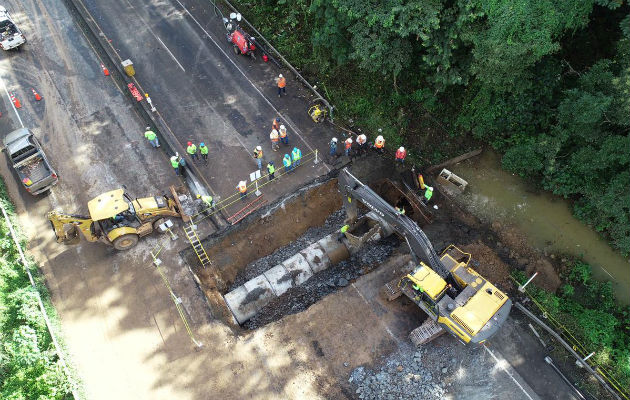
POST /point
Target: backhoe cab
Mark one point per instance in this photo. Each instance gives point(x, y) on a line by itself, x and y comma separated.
point(116, 219)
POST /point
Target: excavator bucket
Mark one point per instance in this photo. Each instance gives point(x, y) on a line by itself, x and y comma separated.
point(71, 236)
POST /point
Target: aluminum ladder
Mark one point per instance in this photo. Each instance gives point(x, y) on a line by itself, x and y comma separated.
point(193, 238)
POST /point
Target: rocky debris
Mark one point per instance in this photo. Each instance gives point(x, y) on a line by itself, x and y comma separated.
point(313, 234)
point(403, 376)
point(299, 298)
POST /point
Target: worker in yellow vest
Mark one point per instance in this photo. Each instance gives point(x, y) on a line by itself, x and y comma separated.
point(242, 188)
point(258, 155)
point(203, 149)
point(192, 151)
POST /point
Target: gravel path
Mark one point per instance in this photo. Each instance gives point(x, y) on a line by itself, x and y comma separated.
point(313, 234)
point(323, 283)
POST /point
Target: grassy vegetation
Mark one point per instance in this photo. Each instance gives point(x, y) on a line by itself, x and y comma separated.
point(543, 82)
point(29, 366)
point(588, 310)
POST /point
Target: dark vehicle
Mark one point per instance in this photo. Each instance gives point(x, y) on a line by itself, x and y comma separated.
point(29, 161)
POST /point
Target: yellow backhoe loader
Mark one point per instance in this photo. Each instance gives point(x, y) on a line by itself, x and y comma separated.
point(116, 219)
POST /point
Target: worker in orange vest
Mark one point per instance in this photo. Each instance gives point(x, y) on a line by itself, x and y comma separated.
point(282, 83)
point(348, 145)
point(242, 188)
point(379, 143)
point(274, 140)
point(401, 154)
point(283, 135)
point(275, 124)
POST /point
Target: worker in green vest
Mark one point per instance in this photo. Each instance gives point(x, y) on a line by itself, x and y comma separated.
point(271, 169)
point(203, 149)
point(175, 163)
point(152, 137)
point(287, 162)
point(296, 155)
point(205, 203)
point(428, 194)
point(342, 232)
point(192, 151)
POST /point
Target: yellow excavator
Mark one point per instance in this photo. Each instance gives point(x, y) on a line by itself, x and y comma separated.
point(116, 219)
point(455, 297)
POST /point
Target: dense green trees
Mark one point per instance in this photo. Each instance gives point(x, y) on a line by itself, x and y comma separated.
point(29, 366)
point(545, 82)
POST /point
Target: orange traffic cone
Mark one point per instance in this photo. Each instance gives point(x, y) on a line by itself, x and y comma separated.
point(105, 70)
point(15, 101)
point(37, 96)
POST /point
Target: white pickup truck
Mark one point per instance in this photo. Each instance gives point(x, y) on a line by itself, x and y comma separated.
point(30, 162)
point(10, 35)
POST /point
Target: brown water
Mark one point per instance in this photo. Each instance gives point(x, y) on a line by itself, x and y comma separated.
point(496, 195)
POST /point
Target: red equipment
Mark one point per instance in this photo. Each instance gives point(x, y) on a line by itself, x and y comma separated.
point(242, 42)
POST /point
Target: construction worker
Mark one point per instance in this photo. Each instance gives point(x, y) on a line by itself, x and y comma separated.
point(275, 124)
point(282, 83)
point(274, 140)
point(258, 155)
point(379, 143)
point(287, 162)
point(242, 188)
point(203, 149)
point(401, 154)
point(296, 156)
point(205, 203)
point(361, 141)
point(152, 137)
point(192, 151)
point(400, 210)
point(428, 194)
point(182, 165)
point(284, 138)
point(175, 163)
point(342, 232)
point(333, 146)
point(348, 145)
point(272, 170)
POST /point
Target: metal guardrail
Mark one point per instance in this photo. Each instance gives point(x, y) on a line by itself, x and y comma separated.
point(319, 97)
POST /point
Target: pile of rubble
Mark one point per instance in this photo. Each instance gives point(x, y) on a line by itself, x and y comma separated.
point(407, 374)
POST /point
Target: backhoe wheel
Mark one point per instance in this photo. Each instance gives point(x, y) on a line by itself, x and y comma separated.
point(125, 242)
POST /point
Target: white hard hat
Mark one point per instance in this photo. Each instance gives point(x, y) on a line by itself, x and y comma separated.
point(282, 127)
point(362, 136)
point(174, 158)
point(274, 131)
point(401, 148)
point(349, 140)
point(280, 76)
point(148, 128)
point(334, 139)
point(258, 148)
point(379, 137)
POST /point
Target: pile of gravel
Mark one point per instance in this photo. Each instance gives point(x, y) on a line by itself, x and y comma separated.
point(403, 376)
point(313, 234)
point(299, 298)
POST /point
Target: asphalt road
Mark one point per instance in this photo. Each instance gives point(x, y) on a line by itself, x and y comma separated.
point(206, 93)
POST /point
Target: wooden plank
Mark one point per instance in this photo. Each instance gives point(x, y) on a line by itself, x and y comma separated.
point(455, 160)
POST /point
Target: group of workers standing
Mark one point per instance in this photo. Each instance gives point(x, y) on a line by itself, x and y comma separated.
point(362, 147)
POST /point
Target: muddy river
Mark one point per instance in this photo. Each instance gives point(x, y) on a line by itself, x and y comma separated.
point(494, 194)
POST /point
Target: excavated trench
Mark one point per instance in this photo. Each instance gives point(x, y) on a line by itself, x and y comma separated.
point(287, 257)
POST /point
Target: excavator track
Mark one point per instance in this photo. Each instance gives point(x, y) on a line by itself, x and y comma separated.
point(426, 332)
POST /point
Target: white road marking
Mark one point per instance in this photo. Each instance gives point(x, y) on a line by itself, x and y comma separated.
point(155, 36)
point(169, 52)
point(248, 80)
point(12, 105)
point(500, 364)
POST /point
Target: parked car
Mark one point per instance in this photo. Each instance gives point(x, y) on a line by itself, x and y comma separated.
point(10, 35)
point(29, 161)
